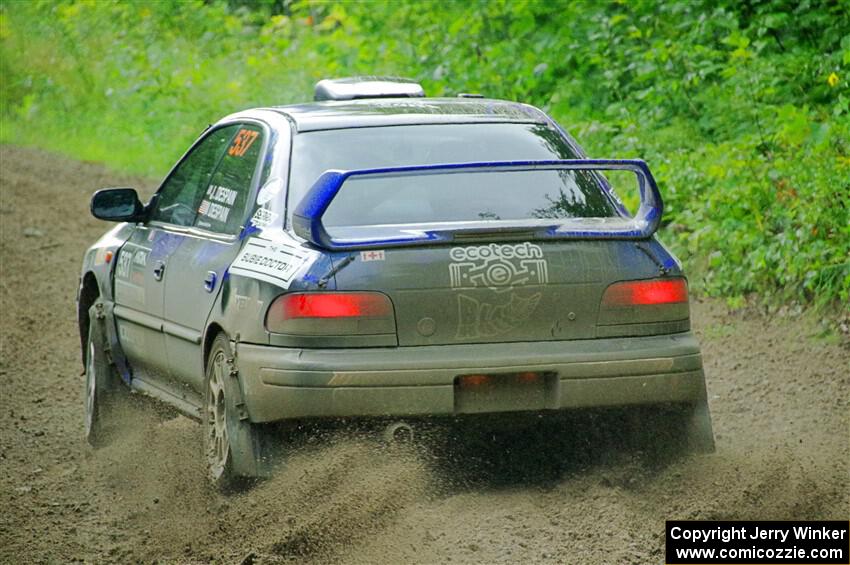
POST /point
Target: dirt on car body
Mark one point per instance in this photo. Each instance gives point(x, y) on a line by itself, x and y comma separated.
point(778, 394)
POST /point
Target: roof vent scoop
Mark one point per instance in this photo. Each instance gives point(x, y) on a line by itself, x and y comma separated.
point(367, 87)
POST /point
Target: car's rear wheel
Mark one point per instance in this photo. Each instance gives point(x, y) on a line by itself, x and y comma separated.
point(235, 448)
point(102, 388)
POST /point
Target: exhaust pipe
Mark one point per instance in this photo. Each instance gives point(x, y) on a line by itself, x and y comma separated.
point(398, 432)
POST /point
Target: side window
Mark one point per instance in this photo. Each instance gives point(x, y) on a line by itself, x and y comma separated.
point(177, 202)
point(222, 205)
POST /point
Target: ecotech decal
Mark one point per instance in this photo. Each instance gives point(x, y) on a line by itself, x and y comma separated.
point(504, 269)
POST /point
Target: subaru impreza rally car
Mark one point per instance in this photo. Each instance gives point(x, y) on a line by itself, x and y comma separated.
point(378, 253)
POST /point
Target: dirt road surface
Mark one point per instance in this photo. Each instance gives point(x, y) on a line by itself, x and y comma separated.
point(778, 394)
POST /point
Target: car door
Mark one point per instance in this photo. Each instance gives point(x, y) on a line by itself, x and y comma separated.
point(142, 262)
point(198, 264)
point(138, 295)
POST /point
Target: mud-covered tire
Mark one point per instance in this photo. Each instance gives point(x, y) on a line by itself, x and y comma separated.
point(102, 388)
point(235, 449)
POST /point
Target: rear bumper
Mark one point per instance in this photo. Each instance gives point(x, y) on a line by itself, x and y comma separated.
point(284, 383)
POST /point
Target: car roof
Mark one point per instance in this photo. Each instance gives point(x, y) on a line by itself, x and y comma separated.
point(375, 112)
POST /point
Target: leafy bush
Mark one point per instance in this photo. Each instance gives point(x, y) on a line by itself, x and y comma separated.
point(741, 108)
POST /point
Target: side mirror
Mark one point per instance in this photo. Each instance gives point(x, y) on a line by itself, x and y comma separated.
point(116, 205)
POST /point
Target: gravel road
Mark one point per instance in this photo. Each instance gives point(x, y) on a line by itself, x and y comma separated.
point(565, 492)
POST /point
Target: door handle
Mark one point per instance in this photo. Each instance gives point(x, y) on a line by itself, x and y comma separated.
point(158, 270)
point(209, 281)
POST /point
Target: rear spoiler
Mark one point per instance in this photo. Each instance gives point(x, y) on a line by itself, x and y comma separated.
point(307, 218)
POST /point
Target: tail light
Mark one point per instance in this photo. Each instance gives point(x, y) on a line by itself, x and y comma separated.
point(331, 313)
point(645, 293)
point(644, 307)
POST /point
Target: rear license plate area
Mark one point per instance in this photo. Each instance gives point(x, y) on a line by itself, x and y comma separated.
point(505, 392)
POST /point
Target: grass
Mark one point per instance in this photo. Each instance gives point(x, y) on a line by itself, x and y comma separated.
point(742, 109)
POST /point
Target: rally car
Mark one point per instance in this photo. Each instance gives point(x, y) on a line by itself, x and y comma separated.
point(378, 253)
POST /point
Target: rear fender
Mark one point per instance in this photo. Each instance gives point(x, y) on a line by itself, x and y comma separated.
point(241, 305)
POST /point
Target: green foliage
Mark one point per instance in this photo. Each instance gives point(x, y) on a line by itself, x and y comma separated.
point(741, 108)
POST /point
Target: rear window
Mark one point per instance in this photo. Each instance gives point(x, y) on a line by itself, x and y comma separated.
point(455, 197)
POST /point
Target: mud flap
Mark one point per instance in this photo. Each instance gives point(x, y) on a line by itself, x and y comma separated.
point(667, 432)
point(698, 428)
point(249, 442)
point(100, 332)
point(116, 354)
point(103, 389)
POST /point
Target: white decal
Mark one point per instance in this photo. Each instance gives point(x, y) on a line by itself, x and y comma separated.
point(221, 194)
point(275, 263)
point(478, 319)
point(217, 203)
point(269, 191)
point(377, 255)
point(263, 217)
point(140, 258)
point(498, 266)
point(122, 269)
point(214, 211)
